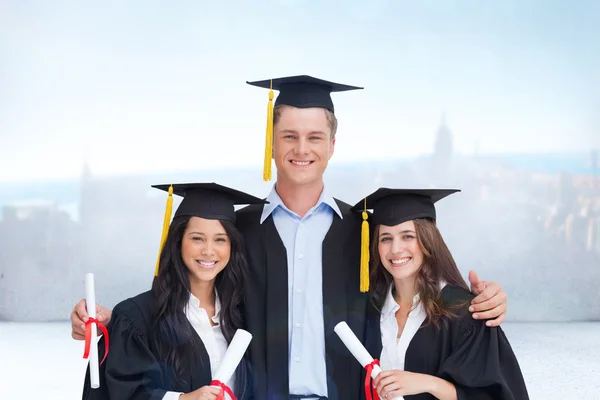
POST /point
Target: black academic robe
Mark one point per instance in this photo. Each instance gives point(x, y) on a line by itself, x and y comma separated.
point(266, 303)
point(132, 370)
point(477, 359)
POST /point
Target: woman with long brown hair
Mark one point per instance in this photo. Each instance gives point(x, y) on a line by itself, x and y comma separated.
point(420, 328)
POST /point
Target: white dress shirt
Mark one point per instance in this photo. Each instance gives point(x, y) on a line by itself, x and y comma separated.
point(303, 241)
point(394, 348)
point(212, 337)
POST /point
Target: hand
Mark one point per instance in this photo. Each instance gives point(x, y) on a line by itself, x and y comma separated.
point(79, 316)
point(204, 393)
point(395, 382)
point(490, 302)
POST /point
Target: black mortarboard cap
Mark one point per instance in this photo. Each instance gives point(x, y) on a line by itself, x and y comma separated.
point(302, 91)
point(209, 200)
point(204, 200)
point(392, 207)
point(395, 206)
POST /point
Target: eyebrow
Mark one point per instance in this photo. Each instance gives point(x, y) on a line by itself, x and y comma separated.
point(202, 233)
point(388, 233)
point(284, 131)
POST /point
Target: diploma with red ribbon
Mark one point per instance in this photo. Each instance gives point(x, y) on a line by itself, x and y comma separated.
point(90, 333)
point(234, 354)
point(362, 356)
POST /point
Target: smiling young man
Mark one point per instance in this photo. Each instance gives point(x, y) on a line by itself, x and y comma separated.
point(304, 253)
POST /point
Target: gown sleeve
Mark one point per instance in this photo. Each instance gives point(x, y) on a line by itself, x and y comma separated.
point(482, 364)
point(132, 371)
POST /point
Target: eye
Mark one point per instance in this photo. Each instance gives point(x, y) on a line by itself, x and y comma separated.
point(385, 239)
point(197, 238)
point(315, 137)
point(221, 239)
point(408, 237)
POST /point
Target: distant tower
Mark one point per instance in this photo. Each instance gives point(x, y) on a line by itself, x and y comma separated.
point(443, 149)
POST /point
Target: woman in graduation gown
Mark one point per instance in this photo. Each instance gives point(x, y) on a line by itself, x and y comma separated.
point(420, 326)
point(166, 343)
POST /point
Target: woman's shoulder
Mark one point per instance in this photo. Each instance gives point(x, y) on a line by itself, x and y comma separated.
point(456, 299)
point(136, 310)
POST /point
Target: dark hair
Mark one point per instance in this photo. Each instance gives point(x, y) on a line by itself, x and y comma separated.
point(172, 334)
point(438, 264)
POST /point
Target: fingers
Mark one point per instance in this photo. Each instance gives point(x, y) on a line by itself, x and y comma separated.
point(497, 321)
point(491, 290)
point(78, 318)
point(382, 375)
point(477, 285)
point(384, 385)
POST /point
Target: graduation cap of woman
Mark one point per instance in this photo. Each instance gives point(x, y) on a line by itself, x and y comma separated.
point(204, 200)
point(392, 207)
point(301, 91)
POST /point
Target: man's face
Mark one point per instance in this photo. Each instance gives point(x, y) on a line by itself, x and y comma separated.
point(302, 145)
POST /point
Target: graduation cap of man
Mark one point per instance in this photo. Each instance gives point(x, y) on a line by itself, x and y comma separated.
point(301, 91)
point(204, 200)
point(392, 207)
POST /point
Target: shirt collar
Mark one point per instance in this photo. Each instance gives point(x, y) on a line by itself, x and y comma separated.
point(275, 201)
point(390, 306)
point(194, 302)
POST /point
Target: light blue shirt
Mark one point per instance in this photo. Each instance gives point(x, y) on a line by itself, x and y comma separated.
point(303, 241)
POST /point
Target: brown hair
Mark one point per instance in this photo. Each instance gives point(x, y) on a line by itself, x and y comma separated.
point(438, 264)
point(331, 119)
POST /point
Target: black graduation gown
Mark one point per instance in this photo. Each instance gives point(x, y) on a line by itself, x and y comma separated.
point(477, 359)
point(266, 303)
point(132, 370)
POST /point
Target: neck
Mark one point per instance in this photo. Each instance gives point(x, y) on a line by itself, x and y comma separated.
point(299, 198)
point(205, 292)
point(406, 289)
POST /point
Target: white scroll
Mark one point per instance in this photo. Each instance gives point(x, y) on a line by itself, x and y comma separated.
point(90, 299)
point(233, 356)
point(356, 347)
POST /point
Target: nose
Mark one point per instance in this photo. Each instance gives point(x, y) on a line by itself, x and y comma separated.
point(397, 246)
point(301, 146)
point(207, 249)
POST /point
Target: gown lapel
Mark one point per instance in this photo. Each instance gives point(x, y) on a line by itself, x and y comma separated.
point(277, 310)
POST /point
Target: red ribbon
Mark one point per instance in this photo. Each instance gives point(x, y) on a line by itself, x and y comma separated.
point(88, 337)
point(224, 388)
point(368, 388)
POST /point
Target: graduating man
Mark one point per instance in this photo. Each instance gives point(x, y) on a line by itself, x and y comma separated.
point(304, 253)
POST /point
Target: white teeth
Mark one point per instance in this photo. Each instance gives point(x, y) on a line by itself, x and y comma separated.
point(207, 264)
point(301, 163)
point(401, 261)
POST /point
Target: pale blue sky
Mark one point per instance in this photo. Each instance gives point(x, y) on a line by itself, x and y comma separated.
point(120, 83)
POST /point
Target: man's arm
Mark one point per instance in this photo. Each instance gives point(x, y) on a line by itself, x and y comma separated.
point(79, 316)
point(490, 302)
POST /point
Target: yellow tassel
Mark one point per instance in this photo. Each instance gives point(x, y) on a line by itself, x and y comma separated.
point(364, 253)
point(269, 138)
point(166, 224)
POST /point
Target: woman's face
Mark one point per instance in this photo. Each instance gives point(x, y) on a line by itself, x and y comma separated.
point(399, 250)
point(205, 249)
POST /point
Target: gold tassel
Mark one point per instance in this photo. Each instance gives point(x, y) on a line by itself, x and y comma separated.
point(269, 138)
point(166, 224)
point(364, 253)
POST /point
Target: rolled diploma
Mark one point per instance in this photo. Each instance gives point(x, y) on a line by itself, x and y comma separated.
point(90, 299)
point(233, 355)
point(356, 347)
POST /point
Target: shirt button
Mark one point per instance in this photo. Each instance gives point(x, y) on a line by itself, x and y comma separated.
point(298, 290)
point(297, 359)
point(300, 256)
point(297, 324)
point(301, 223)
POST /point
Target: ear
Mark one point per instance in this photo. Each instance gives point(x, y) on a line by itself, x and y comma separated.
point(331, 148)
